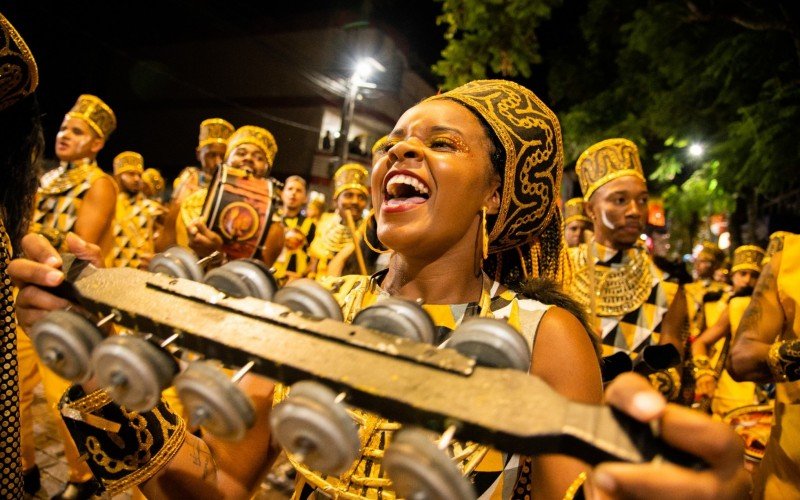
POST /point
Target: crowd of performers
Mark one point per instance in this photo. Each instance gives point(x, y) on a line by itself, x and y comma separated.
point(458, 207)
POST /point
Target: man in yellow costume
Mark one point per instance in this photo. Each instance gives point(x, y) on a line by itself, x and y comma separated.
point(211, 146)
point(78, 196)
point(704, 289)
point(630, 304)
point(709, 349)
point(75, 197)
point(766, 348)
point(335, 230)
point(249, 148)
point(576, 223)
point(137, 215)
point(299, 230)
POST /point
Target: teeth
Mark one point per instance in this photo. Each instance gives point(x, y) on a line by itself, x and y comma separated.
point(408, 180)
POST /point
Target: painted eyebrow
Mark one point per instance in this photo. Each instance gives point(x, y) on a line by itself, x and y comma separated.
point(434, 129)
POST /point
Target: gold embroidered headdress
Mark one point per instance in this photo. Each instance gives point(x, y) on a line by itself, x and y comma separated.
point(153, 181)
point(351, 176)
point(128, 161)
point(260, 137)
point(96, 113)
point(575, 209)
point(527, 231)
point(775, 245)
point(214, 131)
point(19, 74)
point(747, 257)
point(605, 161)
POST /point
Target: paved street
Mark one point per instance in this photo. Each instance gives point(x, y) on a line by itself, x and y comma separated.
point(50, 456)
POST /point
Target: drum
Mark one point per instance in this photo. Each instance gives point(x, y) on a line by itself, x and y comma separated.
point(239, 207)
point(753, 423)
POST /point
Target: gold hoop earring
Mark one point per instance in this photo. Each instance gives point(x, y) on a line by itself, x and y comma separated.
point(485, 234)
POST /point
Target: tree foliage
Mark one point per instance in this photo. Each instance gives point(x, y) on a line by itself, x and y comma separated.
point(663, 74)
point(484, 37)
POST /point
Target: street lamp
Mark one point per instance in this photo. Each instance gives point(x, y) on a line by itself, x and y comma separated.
point(696, 150)
point(363, 69)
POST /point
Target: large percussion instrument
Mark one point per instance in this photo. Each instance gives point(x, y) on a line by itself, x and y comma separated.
point(238, 207)
point(476, 389)
point(753, 423)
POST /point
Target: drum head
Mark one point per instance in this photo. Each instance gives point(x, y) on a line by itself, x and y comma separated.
point(753, 424)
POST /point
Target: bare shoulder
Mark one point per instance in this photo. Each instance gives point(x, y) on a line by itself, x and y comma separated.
point(565, 357)
point(103, 186)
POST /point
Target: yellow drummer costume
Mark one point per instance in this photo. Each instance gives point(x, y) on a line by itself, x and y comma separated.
point(702, 293)
point(62, 189)
point(624, 292)
point(298, 232)
point(191, 179)
point(333, 233)
point(729, 394)
point(192, 206)
point(495, 475)
point(22, 78)
point(135, 224)
point(58, 202)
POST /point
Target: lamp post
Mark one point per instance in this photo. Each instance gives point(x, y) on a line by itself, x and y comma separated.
point(357, 81)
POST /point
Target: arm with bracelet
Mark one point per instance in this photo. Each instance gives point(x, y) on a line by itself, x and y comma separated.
point(765, 350)
point(761, 326)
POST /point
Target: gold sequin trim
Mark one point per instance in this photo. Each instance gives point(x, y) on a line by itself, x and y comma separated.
point(159, 460)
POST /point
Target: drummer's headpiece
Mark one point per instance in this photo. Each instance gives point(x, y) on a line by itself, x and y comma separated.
point(575, 210)
point(351, 176)
point(606, 161)
point(153, 181)
point(747, 257)
point(128, 161)
point(95, 113)
point(214, 131)
point(259, 137)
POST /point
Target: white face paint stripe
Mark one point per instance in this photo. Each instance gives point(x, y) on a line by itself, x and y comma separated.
point(82, 142)
point(606, 222)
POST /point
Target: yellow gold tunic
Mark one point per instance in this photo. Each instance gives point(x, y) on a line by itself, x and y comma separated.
point(59, 199)
point(134, 229)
